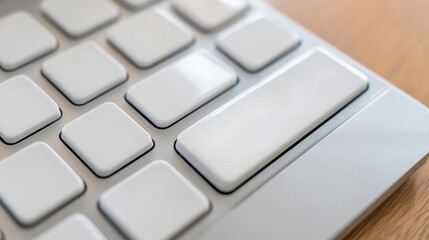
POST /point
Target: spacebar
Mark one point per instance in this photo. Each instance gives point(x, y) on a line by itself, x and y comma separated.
point(233, 143)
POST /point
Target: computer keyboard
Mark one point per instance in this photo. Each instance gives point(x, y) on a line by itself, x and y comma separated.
point(144, 119)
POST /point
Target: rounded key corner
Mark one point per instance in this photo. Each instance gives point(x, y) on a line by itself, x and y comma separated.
point(161, 162)
point(26, 222)
point(102, 172)
point(9, 66)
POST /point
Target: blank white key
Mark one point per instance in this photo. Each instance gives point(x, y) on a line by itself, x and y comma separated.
point(106, 139)
point(77, 226)
point(84, 72)
point(210, 14)
point(233, 143)
point(35, 181)
point(149, 37)
point(22, 40)
point(79, 17)
point(157, 202)
point(24, 109)
point(257, 42)
point(177, 90)
point(138, 3)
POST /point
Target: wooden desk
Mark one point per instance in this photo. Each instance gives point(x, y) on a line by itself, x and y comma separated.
point(391, 37)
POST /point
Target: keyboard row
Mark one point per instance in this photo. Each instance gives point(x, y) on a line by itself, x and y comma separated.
point(24, 39)
point(149, 36)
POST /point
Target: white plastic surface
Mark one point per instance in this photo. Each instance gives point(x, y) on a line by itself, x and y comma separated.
point(84, 72)
point(230, 145)
point(79, 17)
point(35, 181)
point(22, 40)
point(106, 139)
point(24, 109)
point(150, 36)
point(75, 227)
point(210, 14)
point(180, 88)
point(154, 203)
point(256, 42)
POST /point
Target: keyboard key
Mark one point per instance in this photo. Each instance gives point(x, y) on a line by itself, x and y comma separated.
point(35, 181)
point(74, 227)
point(337, 180)
point(79, 17)
point(256, 43)
point(106, 139)
point(84, 72)
point(23, 40)
point(236, 141)
point(175, 91)
point(135, 4)
point(149, 37)
point(210, 14)
point(157, 202)
point(24, 109)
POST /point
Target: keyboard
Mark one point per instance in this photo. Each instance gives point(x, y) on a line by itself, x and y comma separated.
point(155, 119)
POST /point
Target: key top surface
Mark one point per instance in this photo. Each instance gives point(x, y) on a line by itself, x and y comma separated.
point(23, 39)
point(84, 72)
point(24, 109)
point(106, 139)
point(79, 17)
point(175, 91)
point(210, 14)
point(157, 202)
point(257, 42)
point(75, 227)
point(35, 181)
point(149, 37)
point(237, 140)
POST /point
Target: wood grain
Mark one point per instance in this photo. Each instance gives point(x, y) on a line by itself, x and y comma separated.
point(391, 37)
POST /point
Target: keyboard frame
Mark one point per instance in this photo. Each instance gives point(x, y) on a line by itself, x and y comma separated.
point(164, 138)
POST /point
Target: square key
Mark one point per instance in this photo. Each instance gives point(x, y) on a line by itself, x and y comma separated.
point(257, 42)
point(209, 15)
point(84, 72)
point(24, 109)
point(79, 17)
point(156, 202)
point(180, 88)
point(75, 227)
point(106, 139)
point(36, 181)
point(23, 39)
point(149, 37)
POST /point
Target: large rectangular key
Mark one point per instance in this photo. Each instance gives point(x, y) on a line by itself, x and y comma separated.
point(233, 143)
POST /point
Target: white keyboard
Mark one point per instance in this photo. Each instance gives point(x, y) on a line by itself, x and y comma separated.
point(145, 119)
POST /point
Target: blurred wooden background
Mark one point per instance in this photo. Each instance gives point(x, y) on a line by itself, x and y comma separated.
point(391, 37)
